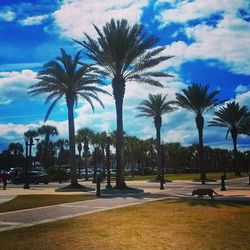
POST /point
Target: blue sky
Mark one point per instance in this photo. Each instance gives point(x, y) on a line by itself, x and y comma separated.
point(210, 42)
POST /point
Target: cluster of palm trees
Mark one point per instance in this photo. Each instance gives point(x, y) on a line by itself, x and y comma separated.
point(45, 147)
point(120, 54)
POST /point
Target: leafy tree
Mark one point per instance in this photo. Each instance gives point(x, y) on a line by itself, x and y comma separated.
point(232, 117)
point(198, 100)
point(124, 54)
point(70, 78)
point(155, 107)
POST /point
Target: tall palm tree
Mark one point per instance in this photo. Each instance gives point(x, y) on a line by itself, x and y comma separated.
point(232, 117)
point(47, 131)
point(68, 77)
point(155, 107)
point(198, 100)
point(123, 54)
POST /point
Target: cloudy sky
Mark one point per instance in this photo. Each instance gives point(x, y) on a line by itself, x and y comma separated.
point(210, 42)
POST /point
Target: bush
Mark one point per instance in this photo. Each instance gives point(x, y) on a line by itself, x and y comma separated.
point(58, 174)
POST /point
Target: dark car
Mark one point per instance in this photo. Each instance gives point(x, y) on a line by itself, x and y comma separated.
point(33, 177)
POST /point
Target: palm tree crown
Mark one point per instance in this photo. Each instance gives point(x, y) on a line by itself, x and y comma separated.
point(64, 77)
point(47, 131)
point(67, 76)
point(232, 116)
point(155, 107)
point(123, 53)
point(197, 99)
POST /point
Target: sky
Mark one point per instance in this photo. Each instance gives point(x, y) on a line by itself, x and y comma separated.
point(210, 42)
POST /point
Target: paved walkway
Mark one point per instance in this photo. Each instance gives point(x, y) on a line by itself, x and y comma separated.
point(237, 189)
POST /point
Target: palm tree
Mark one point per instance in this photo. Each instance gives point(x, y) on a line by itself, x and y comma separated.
point(67, 76)
point(47, 131)
point(85, 135)
point(60, 145)
point(197, 100)
point(17, 150)
point(232, 117)
point(100, 140)
point(123, 54)
point(155, 107)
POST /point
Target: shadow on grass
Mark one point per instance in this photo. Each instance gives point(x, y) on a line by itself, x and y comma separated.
point(211, 203)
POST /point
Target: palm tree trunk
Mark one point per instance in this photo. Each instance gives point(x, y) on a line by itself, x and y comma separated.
point(157, 122)
point(200, 124)
point(158, 148)
point(236, 166)
point(120, 182)
point(72, 154)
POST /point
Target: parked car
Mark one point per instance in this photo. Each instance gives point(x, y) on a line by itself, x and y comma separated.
point(33, 177)
point(90, 173)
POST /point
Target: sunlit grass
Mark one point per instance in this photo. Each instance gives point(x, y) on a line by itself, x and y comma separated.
point(41, 200)
point(169, 224)
point(185, 176)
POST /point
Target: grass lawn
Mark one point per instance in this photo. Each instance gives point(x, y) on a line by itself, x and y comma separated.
point(168, 224)
point(41, 200)
point(188, 176)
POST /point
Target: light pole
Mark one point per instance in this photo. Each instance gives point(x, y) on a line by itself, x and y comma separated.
point(79, 147)
point(108, 162)
point(26, 184)
point(162, 168)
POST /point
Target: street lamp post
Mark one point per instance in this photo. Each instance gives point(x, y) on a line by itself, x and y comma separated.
point(26, 185)
point(162, 168)
point(108, 162)
point(30, 151)
point(79, 147)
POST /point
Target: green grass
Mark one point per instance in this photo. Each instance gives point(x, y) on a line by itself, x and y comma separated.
point(188, 176)
point(41, 200)
point(168, 224)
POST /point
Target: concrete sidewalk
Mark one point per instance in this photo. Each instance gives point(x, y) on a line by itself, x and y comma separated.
point(236, 190)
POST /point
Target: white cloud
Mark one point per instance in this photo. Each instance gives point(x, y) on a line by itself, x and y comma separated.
point(14, 132)
point(7, 15)
point(243, 99)
point(226, 42)
point(14, 84)
point(241, 89)
point(33, 20)
point(77, 16)
point(190, 10)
